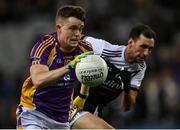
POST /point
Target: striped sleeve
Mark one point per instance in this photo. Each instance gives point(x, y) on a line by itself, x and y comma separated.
point(104, 48)
point(41, 50)
point(97, 44)
point(136, 80)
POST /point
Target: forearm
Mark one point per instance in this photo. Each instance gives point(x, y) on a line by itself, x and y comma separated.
point(84, 89)
point(126, 103)
point(43, 78)
point(79, 101)
point(128, 100)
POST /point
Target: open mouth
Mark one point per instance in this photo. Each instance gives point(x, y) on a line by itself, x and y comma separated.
point(74, 40)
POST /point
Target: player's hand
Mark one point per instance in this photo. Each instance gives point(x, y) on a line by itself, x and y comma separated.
point(79, 103)
point(72, 64)
point(76, 106)
point(126, 79)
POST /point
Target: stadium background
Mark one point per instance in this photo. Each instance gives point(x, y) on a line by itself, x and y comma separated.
point(22, 22)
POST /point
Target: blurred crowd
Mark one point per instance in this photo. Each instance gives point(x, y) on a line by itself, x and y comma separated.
point(23, 22)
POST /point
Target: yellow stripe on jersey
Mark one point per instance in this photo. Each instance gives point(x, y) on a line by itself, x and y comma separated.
point(51, 56)
point(28, 90)
point(45, 46)
point(86, 43)
point(82, 48)
point(42, 45)
point(35, 62)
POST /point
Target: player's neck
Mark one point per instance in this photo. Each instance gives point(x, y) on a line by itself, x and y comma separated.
point(67, 49)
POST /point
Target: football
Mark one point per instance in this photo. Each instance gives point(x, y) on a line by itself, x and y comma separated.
point(91, 70)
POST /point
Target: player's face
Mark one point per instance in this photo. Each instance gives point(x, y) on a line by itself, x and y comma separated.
point(69, 33)
point(141, 48)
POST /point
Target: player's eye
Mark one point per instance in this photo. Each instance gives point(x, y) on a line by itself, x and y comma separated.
point(144, 46)
point(73, 28)
point(147, 47)
point(76, 28)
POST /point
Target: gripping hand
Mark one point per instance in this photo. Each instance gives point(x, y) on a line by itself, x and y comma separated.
point(72, 64)
point(77, 105)
point(79, 102)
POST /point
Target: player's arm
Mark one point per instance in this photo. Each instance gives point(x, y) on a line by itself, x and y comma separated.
point(81, 98)
point(42, 76)
point(131, 88)
point(79, 101)
point(128, 100)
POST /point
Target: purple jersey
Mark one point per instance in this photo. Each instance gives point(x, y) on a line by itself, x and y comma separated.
point(53, 100)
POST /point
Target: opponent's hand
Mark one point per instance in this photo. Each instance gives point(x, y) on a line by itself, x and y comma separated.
point(72, 64)
point(77, 105)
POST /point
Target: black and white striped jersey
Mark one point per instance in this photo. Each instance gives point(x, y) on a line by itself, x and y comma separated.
point(114, 55)
point(113, 86)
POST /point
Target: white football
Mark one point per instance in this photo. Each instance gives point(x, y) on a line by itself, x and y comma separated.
point(91, 70)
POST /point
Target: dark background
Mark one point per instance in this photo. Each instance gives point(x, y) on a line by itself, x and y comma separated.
point(22, 22)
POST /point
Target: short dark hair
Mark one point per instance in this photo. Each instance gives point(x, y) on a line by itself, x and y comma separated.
point(143, 29)
point(71, 11)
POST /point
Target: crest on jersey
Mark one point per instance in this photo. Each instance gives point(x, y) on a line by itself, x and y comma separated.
point(67, 77)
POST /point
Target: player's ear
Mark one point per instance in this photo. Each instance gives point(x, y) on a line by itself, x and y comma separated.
point(130, 41)
point(58, 27)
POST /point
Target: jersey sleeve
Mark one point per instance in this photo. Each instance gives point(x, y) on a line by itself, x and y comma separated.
point(101, 46)
point(138, 77)
point(97, 44)
point(41, 50)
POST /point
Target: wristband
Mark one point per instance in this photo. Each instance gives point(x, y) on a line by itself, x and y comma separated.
point(69, 67)
point(84, 96)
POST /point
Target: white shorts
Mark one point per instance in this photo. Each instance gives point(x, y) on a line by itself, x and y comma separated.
point(77, 116)
point(32, 119)
point(80, 114)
